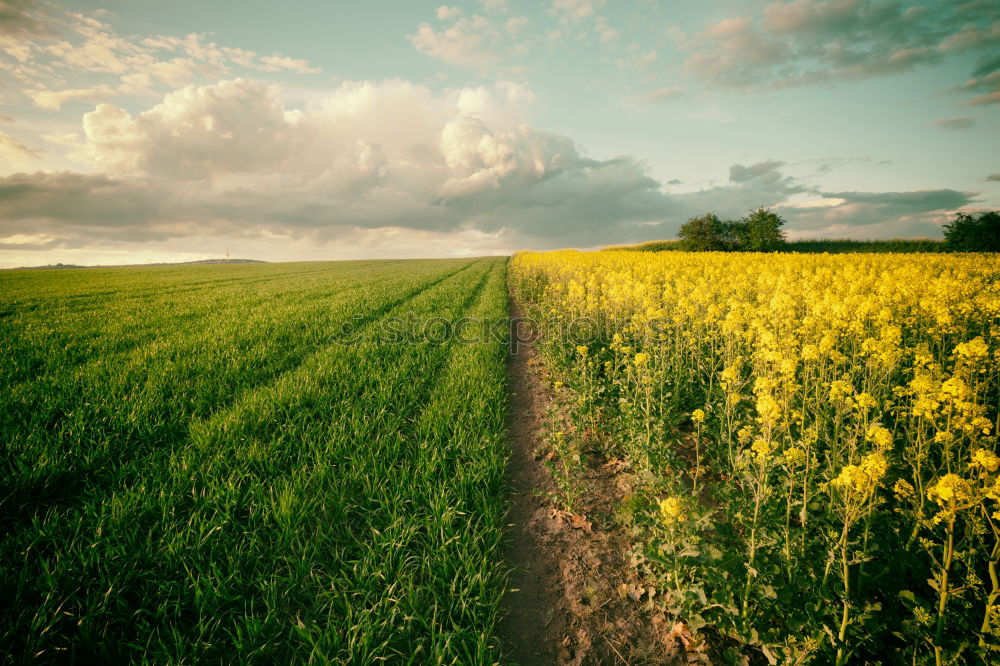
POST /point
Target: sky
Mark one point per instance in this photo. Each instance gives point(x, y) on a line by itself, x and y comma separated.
point(134, 131)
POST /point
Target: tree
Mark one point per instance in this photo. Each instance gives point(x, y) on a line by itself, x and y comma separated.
point(969, 233)
point(760, 231)
point(703, 233)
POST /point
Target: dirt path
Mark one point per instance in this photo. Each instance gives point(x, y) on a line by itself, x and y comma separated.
point(532, 597)
point(573, 597)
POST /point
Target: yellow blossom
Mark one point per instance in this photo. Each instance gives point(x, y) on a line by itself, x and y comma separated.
point(761, 449)
point(671, 511)
point(944, 437)
point(794, 455)
point(951, 491)
point(985, 459)
point(862, 479)
point(768, 409)
point(744, 434)
point(698, 416)
point(981, 424)
point(879, 435)
point(840, 390)
point(973, 349)
point(955, 388)
point(865, 401)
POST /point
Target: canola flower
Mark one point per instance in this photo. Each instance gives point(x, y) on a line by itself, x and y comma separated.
point(862, 479)
point(879, 435)
point(985, 459)
point(794, 455)
point(952, 492)
point(671, 511)
point(761, 449)
point(855, 372)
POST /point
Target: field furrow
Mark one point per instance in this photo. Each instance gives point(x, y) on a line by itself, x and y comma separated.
point(312, 514)
point(74, 431)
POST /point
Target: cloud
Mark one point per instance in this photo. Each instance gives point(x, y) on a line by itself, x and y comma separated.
point(495, 6)
point(605, 33)
point(53, 100)
point(26, 241)
point(60, 204)
point(232, 161)
point(656, 96)
point(43, 46)
point(993, 177)
point(231, 156)
point(987, 65)
point(767, 170)
point(877, 214)
point(803, 42)
point(989, 85)
point(276, 63)
point(474, 42)
point(954, 123)
point(467, 42)
point(445, 13)
point(14, 154)
point(575, 11)
point(22, 18)
point(734, 51)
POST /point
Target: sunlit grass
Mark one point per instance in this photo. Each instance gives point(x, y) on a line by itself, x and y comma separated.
point(197, 471)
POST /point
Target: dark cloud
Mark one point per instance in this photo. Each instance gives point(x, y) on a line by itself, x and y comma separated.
point(805, 42)
point(229, 160)
point(987, 65)
point(768, 169)
point(993, 177)
point(594, 203)
point(22, 18)
point(70, 204)
point(877, 214)
point(988, 86)
point(908, 202)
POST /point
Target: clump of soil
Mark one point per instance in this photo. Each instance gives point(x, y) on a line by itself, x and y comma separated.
point(573, 598)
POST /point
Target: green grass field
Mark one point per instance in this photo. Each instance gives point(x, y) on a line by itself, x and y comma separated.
point(197, 470)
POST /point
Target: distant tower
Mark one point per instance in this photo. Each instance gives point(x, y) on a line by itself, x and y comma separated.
point(227, 253)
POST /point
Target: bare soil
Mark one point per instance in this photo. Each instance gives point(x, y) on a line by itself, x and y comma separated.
point(572, 599)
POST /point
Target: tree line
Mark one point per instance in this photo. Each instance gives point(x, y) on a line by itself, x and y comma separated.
point(761, 231)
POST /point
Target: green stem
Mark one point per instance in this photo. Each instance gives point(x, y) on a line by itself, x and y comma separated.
point(994, 593)
point(753, 542)
point(949, 551)
point(845, 575)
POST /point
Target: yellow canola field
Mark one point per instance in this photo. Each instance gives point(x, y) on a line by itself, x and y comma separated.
point(814, 435)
